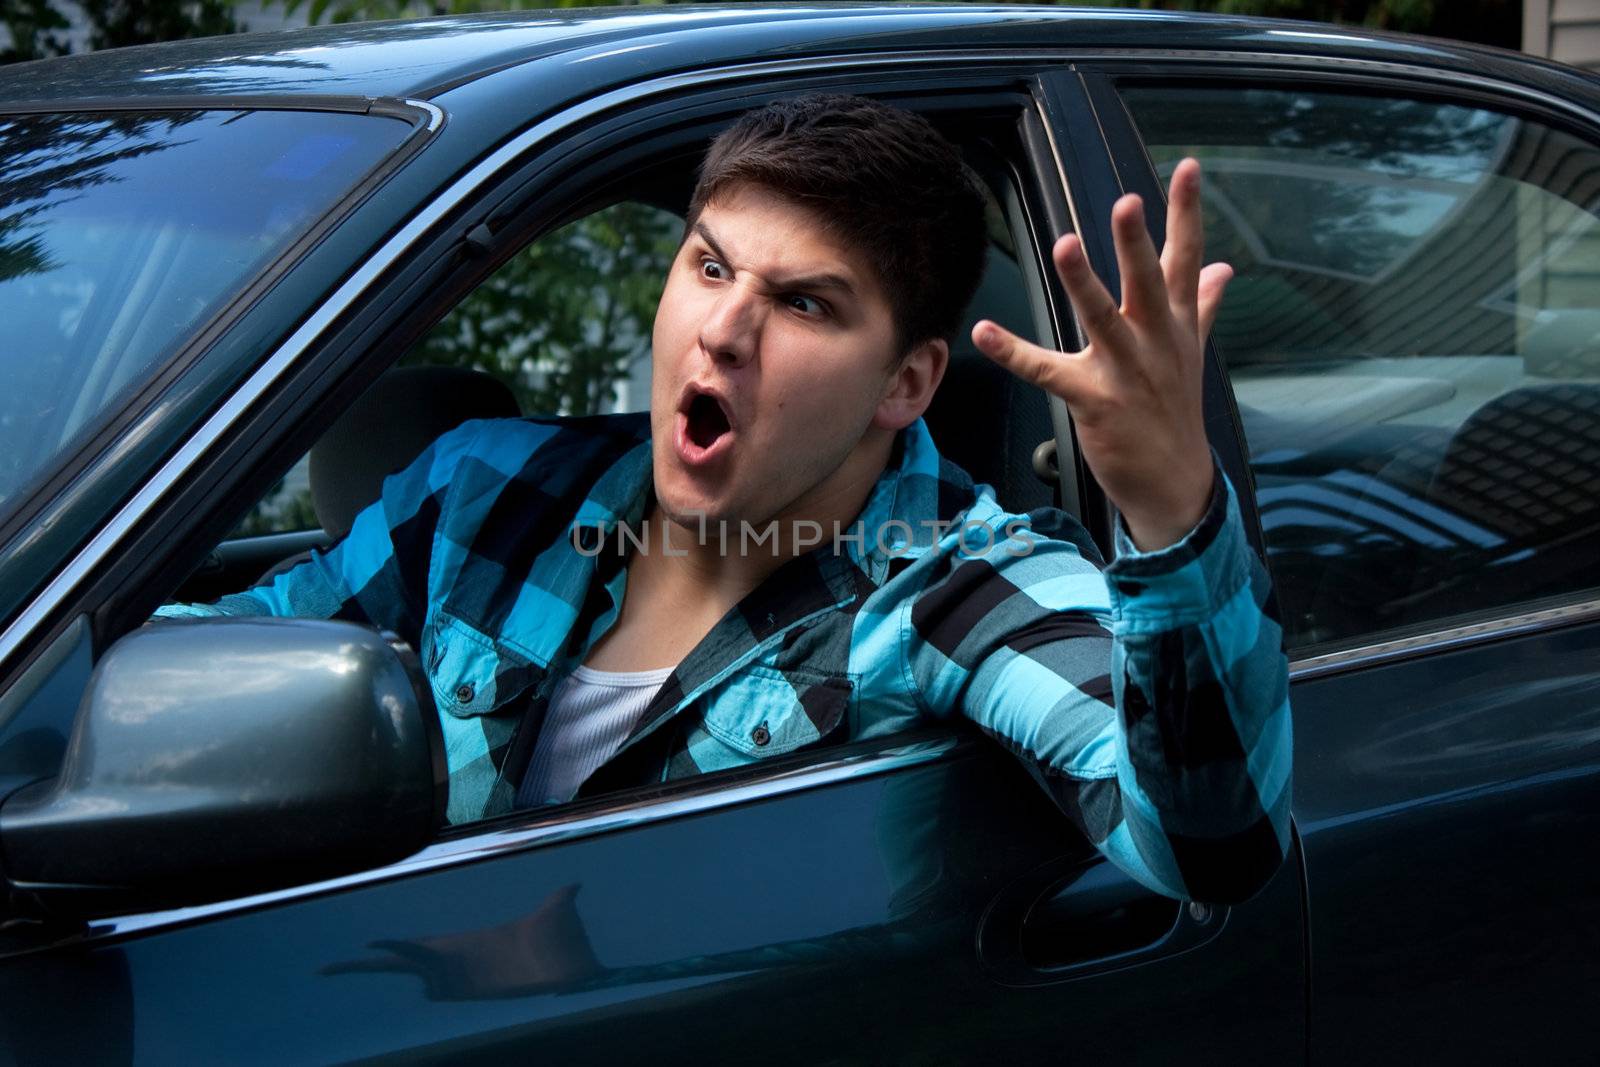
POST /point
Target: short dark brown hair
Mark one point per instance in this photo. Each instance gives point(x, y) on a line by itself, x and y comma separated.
point(884, 181)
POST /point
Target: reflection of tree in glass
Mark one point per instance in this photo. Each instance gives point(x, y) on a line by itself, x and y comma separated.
point(32, 26)
point(1340, 183)
point(1405, 138)
point(570, 316)
point(21, 252)
point(46, 161)
point(44, 156)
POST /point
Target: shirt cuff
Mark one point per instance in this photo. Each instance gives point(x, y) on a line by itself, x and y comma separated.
point(1186, 582)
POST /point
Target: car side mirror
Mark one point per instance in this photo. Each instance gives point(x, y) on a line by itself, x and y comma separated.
point(219, 757)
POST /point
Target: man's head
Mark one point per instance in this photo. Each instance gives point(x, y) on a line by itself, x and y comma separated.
point(880, 179)
point(832, 246)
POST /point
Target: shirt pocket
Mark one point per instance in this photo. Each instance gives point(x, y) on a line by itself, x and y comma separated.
point(472, 674)
point(763, 711)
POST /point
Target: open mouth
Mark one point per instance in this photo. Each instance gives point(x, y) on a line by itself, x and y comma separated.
point(707, 421)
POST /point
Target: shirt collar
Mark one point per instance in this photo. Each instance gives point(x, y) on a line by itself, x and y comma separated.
point(917, 497)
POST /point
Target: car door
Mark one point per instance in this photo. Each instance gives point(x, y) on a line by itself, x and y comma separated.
point(1413, 341)
point(907, 899)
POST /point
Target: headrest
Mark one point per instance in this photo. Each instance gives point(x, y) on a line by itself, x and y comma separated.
point(1525, 464)
point(388, 427)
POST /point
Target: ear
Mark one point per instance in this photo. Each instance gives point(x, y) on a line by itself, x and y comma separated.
point(909, 390)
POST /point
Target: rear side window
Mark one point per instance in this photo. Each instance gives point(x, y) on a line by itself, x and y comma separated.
point(1413, 338)
point(122, 235)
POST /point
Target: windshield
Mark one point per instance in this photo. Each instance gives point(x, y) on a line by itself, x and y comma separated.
point(122, 235)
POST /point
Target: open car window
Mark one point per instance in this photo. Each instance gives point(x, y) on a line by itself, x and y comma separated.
point(563, 328)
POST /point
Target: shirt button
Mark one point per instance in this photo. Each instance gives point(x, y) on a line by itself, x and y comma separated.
point(760, 735)
point(465, 693)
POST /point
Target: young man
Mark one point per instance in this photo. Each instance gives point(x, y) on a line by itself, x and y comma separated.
point(778, 557)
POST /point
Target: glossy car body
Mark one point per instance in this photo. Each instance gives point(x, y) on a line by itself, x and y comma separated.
point(910, 900)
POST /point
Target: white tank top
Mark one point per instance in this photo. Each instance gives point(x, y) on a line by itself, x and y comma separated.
point(589, 717)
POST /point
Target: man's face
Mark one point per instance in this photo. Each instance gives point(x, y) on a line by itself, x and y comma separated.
point(773, 345)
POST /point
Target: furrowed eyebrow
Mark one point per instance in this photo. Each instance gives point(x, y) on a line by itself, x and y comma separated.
point(813, 282)
point(807, 282)
point(711, 242)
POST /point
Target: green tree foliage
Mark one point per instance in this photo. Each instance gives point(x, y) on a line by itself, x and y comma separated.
point(1409, 15)
point(568, 317)
point(320, 11)
point(38, 28)
point(115, 23)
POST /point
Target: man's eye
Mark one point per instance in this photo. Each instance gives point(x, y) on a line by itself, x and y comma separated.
point(710, 268)
point(806, 305)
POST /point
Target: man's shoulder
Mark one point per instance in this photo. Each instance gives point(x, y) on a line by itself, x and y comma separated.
point(556, 453)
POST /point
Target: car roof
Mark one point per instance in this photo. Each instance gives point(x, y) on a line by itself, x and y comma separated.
point(423, 57)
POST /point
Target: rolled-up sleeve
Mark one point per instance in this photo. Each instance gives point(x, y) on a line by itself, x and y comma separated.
point(377, 573)
point(1150, 699)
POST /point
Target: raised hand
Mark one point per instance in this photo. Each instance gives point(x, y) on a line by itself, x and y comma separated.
point(1135, 391)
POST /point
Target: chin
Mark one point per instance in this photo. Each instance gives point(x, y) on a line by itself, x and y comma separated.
point(686, 507)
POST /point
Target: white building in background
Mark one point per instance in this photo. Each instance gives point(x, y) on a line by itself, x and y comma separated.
point(1567, 31)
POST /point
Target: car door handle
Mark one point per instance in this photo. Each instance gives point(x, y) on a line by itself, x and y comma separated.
point(1073, 918)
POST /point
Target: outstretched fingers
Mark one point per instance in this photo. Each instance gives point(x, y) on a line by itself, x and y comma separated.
point(1144, 287)
point(1184, 249)
point(1052, 371)
point(1097, 311)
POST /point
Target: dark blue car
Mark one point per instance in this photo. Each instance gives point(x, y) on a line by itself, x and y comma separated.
point(243, 278)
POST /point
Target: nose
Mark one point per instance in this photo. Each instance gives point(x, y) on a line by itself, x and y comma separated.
point(731, 333)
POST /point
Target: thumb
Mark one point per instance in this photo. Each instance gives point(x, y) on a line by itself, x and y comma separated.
point(1213, 280)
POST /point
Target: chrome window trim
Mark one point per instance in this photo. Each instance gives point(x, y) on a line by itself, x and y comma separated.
point(1445, 640)
point(434, 111)
point(93, 552)
point(700, 796)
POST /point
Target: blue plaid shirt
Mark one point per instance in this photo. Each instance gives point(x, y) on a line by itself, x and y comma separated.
point(1150, 699)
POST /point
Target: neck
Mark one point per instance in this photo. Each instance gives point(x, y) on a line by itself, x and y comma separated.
point(729, 558)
